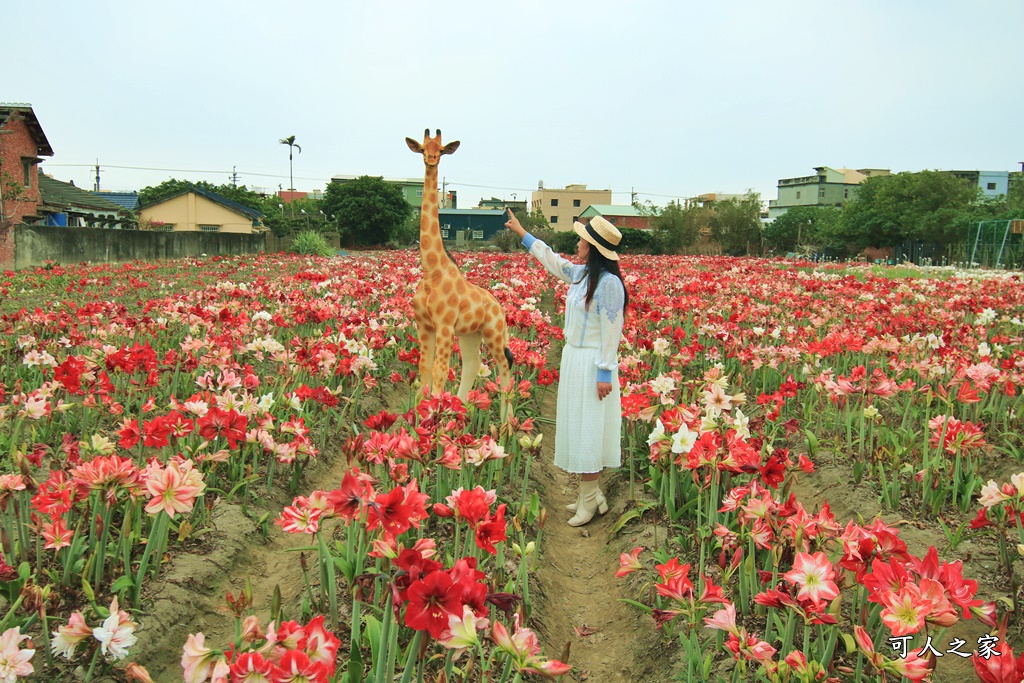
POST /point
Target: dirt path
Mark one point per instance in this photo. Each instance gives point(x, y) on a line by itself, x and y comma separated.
point(191, 597)
point(578, 586)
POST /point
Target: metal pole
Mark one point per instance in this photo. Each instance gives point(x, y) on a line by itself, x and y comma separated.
point(976, 238)
point(1005, 234)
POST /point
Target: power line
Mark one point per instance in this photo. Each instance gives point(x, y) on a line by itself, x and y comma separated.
point(233, 173)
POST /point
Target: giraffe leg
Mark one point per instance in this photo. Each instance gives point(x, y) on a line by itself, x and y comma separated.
point(469, 344)
point(494, 337)
point(427, 338)
point(443, 342)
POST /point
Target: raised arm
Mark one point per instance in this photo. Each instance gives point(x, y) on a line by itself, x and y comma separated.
point(562, 268)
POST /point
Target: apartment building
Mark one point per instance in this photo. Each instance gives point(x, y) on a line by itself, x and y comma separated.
point(562, 207)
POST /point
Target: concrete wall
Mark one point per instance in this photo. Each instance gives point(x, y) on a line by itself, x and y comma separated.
point(36, 244)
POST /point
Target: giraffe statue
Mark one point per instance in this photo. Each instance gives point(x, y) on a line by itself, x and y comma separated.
point(445, 303)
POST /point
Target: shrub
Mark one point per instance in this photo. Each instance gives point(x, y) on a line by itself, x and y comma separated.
point(565, 242)
point(310, 242)
point(506, 240)
point(637, 241)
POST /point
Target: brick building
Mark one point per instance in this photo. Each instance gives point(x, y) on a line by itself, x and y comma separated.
point(22, 146)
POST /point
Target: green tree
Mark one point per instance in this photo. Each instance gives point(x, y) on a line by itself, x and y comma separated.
point(368, 210)
point(804, 225)
point(240, 194)
point(927, 205)
point(736, 224)
point(676, 227)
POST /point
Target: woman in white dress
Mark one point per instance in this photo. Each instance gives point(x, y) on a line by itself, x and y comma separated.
point(589, 418)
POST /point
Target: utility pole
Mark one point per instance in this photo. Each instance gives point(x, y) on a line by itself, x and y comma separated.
point(632, 196)
point(234, 176)
point(444, 192)
point(97, 175)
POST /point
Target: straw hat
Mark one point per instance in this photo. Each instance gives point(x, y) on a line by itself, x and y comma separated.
point(602, 234)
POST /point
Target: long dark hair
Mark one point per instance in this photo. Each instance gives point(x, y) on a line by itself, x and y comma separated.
point(598, 263)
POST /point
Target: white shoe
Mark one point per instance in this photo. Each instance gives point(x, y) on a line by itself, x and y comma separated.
point(602, 504)
point(588, 504)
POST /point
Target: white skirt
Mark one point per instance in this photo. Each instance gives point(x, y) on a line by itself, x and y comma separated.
point(587, 430)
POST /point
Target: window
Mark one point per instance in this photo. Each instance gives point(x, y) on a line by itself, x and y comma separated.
point(821, 193)
point(478, 234)
point(991, 186)
point(575, 219)
point(26, 167)
point(575, 202)
point(798, 194)
point(554, 202)
point(846, 193)
point(553, 219)
point(444, 233)
point(209, 228)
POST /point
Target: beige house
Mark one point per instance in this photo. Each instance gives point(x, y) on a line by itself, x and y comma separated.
point(563, 207)
point(197, 210)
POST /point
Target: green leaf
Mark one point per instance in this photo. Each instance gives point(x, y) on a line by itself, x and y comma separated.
point(638, 605)
point(625, 519)
point(122, 583)
point(851, 644)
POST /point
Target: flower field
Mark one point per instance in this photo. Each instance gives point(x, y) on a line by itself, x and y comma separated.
point(221, 469)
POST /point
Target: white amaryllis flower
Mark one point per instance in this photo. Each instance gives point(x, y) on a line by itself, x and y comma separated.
point(992, 494)
point(663, 385)
point(871, 412)
point(741, 423)
point(1018, 482)
point(657, 434)
point(117, 633)
point(986, 317)
point(461, 631)
point(683, 440)
point(715, 398)
point(660, 347)
point(984, 349)
point(266, 402)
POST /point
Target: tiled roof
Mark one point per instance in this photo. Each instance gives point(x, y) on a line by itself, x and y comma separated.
point(8, 109)
point(129, 200)
point(252, 214)
point(60, 195)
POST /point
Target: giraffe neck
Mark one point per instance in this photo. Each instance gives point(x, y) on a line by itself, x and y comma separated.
point(430, 227)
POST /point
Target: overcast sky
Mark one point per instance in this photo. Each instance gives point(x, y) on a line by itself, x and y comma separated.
point(668, 99)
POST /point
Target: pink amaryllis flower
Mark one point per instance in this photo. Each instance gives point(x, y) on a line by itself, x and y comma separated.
point(174, 488)
point(197, 660)
point(814, 575)
point(300, 517)
point(66, 638)
point(905, 611)
point(629, 562)
point(724, 619)
point(913, 667)
point(14, 660)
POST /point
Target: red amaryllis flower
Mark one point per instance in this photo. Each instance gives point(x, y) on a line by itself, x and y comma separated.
point(355, 492)
point(130, 433)
point(251, 667)
point(431, 600)
point(390, 512)
point(107, 472)
point(69, 374)
point(492, 530)
point(57, 494)
point(226, 423)
point(296, 667)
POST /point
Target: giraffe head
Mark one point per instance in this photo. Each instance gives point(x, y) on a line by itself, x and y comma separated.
point(431, 149)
